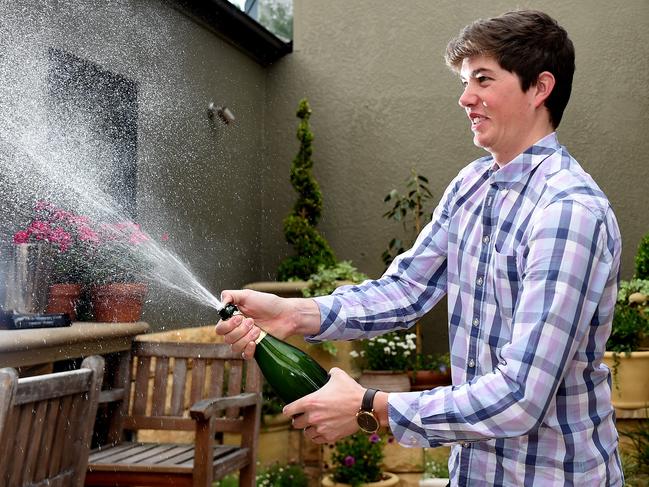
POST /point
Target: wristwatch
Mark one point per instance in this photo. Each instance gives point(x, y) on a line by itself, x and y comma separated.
point(365, 417)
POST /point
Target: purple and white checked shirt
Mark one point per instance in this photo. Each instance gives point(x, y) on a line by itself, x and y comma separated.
point(528, 255)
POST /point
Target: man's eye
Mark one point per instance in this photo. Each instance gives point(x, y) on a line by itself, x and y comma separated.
point(482, 79)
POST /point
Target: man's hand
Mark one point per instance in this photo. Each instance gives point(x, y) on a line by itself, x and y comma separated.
point(281, 317)
point(329, 413)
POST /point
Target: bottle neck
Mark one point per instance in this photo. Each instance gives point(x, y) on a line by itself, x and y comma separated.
point(262, 335)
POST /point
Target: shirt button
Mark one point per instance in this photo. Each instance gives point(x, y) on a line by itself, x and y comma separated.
point(476, 321)
point(471, 363)
point(479, 281)
point(485, 239)
point(466, 445)
point(413, 441)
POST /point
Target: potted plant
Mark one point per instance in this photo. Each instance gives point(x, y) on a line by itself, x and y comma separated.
point(118, 267)
point(624, 355)
point(276, 475)
point(384, 361)
point(430, 370)
point(412, 211)
point(71, 238)
point(627, 354)
point(312, 250)
point(356, 461)
point(325, 281)
point(435, 473)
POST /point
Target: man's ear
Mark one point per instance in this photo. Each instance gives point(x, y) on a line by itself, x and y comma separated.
point(543, 88)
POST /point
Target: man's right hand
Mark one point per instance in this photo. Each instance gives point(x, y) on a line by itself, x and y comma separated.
point(281, 317)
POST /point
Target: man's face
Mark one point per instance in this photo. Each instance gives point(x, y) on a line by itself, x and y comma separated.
point(502, 115)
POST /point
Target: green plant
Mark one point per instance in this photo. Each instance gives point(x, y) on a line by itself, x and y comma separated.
point(327, 279)
point(357, 459)
point(277, 475)
point(630, 323)
point(391, 351)
point(312, 250)
point(408, 209)
point(231, 480)
point(323, 283)
point(642, 259)
point(429, 361)
point(434, 469)
point(637, 461)
point(272, 404)
point(119, 254)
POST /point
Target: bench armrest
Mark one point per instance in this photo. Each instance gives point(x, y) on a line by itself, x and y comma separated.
point(207, 408)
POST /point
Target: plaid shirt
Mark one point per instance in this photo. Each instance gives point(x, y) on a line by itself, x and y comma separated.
point(528, 255)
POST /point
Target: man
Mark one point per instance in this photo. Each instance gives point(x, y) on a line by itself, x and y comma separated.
point(527, 248)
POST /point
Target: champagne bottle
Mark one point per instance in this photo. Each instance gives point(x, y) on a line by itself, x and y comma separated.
point(289, 371)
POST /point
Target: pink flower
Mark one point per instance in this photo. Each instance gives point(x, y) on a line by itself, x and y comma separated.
point(87, 234)
point(61, 238)
point(375, 438)
point(21, 237)
point(138, 237)
point(349, 461)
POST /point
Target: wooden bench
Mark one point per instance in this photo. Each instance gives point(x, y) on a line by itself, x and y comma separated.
point(46, 424)
point(198, 387)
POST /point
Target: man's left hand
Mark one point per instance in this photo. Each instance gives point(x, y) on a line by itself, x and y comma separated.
point(328, 414)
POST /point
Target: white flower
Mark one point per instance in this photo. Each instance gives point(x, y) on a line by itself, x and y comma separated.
point(354, 354)
point(386, 349)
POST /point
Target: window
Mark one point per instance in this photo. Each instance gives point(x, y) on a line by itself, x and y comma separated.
point(275, 15)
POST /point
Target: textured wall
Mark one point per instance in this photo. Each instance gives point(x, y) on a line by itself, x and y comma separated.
point(384, 101)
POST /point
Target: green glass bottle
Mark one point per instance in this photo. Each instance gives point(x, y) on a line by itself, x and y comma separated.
point(290, 372)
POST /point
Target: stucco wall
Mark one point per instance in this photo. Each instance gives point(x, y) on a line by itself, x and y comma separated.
point(383, 102)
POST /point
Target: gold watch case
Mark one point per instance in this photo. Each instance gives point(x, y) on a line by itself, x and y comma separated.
point(367, 421)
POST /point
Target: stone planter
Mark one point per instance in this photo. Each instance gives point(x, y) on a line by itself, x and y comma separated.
point(630, 379)
point(385, 380)
point(118, 302)
point(390, 480)
point(433, 482)
point(63, 298)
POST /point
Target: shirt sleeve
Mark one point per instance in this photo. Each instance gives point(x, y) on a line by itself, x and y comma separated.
point(411, 286)
point(567, 267)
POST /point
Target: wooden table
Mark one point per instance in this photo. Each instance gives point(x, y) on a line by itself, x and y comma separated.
point(20, 348)
point(35, 351)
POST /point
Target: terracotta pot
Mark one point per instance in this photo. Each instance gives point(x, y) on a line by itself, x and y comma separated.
point(423, 380)
point(63, 298)
point(390, 480)
point(630, 379)
point(118, 302)
point(385, 380)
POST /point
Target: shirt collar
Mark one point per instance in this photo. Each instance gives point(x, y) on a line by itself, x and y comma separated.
point(524, 163)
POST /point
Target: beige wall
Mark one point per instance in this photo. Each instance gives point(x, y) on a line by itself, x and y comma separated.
point(383, 101)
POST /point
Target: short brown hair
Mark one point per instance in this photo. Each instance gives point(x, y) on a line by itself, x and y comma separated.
point(523, 42)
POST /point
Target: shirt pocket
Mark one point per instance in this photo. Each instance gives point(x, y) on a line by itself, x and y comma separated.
point(507, 283)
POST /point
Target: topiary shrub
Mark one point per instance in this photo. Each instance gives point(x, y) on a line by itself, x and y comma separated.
point(642, 259)
point(312, 250)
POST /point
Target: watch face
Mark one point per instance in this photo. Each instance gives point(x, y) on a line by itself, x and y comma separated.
point(367, 422)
